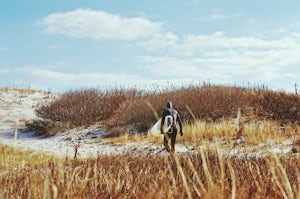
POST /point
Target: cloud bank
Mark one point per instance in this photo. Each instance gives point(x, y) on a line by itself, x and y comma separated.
point(223, 57)
point(34, 75)
point(45, 79)
point(169, 56)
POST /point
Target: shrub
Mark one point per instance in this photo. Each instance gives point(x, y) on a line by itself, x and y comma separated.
point(210, 103)
point(140, 109)
point(81, 107)
point(280, 106)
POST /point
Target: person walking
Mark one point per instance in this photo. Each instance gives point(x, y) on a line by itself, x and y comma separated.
point(170, 118)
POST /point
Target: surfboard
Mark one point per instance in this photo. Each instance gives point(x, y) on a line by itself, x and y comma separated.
point(155, 130)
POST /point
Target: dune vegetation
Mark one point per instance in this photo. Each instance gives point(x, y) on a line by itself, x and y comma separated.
point(217, 120)
point(139, 108)
point(27, 174)
point(209, 111)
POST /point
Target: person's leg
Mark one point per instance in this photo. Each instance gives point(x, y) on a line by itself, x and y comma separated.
point(173, 140)
point(166, 141)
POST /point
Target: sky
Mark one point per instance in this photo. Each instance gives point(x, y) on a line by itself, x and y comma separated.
point(60, 45)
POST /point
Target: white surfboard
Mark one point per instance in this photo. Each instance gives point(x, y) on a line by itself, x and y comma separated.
point(155, 130)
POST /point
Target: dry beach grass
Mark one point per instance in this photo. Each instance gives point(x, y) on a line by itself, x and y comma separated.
point(240, 146)
point(27, 174)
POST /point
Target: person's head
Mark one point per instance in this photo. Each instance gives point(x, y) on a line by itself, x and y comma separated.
point(169, 104)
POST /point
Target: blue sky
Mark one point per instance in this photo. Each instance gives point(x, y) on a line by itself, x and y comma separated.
point(62, 45)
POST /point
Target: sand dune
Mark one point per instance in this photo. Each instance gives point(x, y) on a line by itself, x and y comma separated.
point(18, 105)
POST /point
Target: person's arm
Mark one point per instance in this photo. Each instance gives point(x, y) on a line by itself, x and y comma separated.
point(180, 123)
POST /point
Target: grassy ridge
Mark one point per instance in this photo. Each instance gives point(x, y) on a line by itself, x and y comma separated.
point(123, 107)
point(25, 174)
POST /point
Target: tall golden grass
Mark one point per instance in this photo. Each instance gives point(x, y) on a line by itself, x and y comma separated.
point(26, 174)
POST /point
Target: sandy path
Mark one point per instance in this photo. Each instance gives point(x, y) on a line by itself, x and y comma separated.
point(88, 142)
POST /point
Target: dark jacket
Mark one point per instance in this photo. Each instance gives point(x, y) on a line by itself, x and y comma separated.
point(176, 118)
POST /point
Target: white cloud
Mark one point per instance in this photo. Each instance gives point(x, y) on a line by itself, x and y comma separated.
point(177, 69)
point(45, 78)
point(47, 75)
point(100, 25)
point(160, 42)
point(170, 57)
point(220, 41)
point(223, 58)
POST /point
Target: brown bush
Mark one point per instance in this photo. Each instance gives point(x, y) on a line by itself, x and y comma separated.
point(81, 107)
point(138, 109)
point(280, 106)
point(210, 103)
